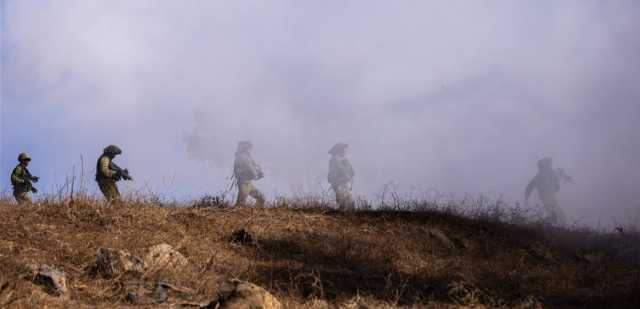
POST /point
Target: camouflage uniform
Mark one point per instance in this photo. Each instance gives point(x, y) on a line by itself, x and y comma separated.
point(547, 183)
point(106, 177)
point(21, 180)
point(341, 175)
point(246, 170)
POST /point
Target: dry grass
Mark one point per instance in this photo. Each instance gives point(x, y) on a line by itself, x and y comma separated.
point(307, 253)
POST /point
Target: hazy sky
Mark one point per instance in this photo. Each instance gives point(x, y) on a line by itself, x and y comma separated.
point(462, 97)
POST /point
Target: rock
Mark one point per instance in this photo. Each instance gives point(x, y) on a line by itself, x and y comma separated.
point(164, 290)
point(113, 262)
point(133, 298)
point(160, 294)
point(137, 294)
point(54, 281)
point(244, 237)
point(442, 238)
point(236, 294)
point(164, 256)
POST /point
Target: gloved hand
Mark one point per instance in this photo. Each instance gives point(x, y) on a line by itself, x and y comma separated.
point(34, 190)
point(35, 178)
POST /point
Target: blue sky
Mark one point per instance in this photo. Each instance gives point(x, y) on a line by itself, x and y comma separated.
point(462, 97)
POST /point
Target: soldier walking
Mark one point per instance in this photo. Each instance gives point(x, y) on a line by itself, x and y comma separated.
point(547, 183)
point(21, 180)
point(108, 173)
point(341, 175)
point(246, 170)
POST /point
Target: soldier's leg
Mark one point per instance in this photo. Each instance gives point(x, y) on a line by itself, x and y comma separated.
point(22, 197)
point(243, 192)
point(555, 215)
point(343, 197)
point(256, 194)
point(559, 215)
point(115, 193)
point(348, 199)
point(103, 188)
point(110, 190)
point(336, 190)
point(550, 217)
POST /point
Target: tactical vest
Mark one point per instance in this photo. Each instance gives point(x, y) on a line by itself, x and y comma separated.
point(24, 175)
point(99, 175)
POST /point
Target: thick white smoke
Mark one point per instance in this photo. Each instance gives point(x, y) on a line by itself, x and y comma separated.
point(458, 96)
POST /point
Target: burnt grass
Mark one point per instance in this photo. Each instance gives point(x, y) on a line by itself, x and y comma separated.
point(367, 258)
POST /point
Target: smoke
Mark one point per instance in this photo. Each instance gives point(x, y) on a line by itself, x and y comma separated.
point(457, 96)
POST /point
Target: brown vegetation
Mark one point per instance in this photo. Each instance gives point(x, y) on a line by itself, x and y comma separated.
point(314, 257)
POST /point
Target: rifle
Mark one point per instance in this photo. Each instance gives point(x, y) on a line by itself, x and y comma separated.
point(28, 179)
point(260, 174)
point(27, 183)
point(120, 172)
point(563, 176)
point(29, 186)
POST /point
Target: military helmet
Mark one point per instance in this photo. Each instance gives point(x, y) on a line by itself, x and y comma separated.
point(24, 157)
point(337, 148)
point(112, 149)
point(545, 163)
point(244, 146)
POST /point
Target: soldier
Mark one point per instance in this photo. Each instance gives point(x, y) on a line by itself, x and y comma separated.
point(341, 175)
point(108, 173)
point(21, 180)
point(246, 170)
point(547, 183)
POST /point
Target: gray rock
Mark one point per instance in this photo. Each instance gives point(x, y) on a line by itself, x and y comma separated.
point(164, 256)
point(113, 262)
point(236, 294)
point(53, 280)
point(160, 294)
point(133, 298)
point(164, 290)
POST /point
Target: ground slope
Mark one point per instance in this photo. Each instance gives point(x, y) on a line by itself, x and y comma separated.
point(303, 256)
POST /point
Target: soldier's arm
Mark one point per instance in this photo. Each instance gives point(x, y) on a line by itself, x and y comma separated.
point(344, 171)
point(349, 168)
point(530, 187)
point(259, 173)
point(104, 168)
point(16, 176)
point(250, 165)
point(29, 176)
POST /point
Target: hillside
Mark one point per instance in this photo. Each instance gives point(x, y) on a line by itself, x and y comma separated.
point(314, 257)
